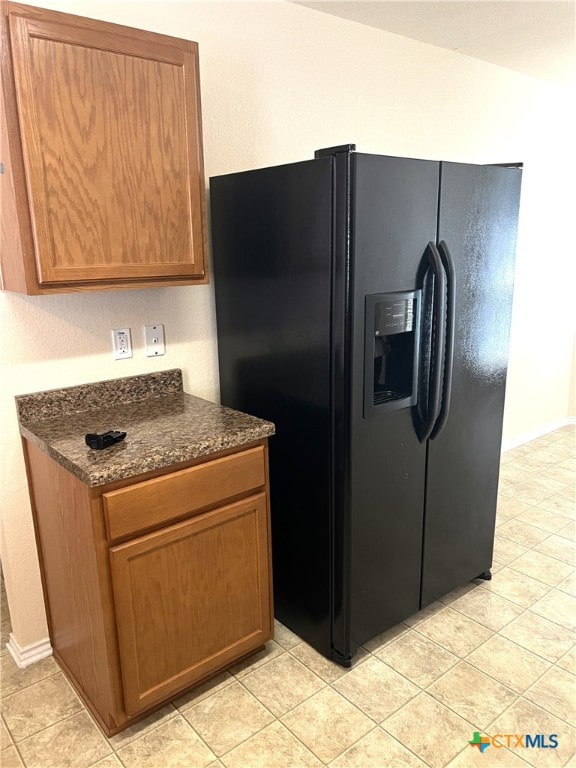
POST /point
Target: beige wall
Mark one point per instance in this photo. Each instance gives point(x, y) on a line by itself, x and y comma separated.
point(279, 81)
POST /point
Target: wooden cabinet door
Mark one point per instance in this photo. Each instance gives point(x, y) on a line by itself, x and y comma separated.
point(111, 138)
point(190, 599)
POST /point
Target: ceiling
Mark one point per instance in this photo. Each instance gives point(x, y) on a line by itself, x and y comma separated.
point(537, 38)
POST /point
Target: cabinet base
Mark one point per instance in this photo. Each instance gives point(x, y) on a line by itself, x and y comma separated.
point(112, 728)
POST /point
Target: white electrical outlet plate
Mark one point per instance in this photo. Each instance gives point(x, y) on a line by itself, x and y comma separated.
point(121, 343)
point(154, 338)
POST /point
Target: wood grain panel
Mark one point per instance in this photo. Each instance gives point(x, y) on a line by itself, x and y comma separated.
point(153, 502)
point(76, 581)
point(111, 138)
point(10, 246)
point(17, 258)
point(191, 598)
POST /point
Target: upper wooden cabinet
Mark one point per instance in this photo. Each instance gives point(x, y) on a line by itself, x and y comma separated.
point(103, 183)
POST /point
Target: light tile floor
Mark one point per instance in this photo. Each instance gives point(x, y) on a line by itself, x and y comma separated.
point(497, 657)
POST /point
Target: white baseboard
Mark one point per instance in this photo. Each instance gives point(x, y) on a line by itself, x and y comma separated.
point(29, 654)
point(515, 442)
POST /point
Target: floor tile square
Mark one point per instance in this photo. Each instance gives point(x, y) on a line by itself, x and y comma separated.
point(326, 669)
point(282, 684)
point(430, 730)
point(531, 463)
point(525, 717)
point(233, 706)
point(284, 636)
point(563, 474)
point(556, 693)
point(377, 750)
point(376, 689)
point(76, 742)
point(522, 533)
point(511, 507)
point(386, 637)
point(271, 651)
point(543, 568)
point(537, 634)
point(559, 547)
point(506, 551)
point(557, 607)
point(458, 592)
point(472, 694)
point(417, 658)
point(142, 727)
point(527, 491)
point(513, 474)
point(273, 746)
point(508, 663)
point(455, 632)
point(487, 608)
point(211, 686)
point(560, 504)
point(15, 679)
point(327, 724)
point(172, 745)
point(517, 587)
point(501, 519)
point(424, 614)
point(541, 518)
point(38, 706)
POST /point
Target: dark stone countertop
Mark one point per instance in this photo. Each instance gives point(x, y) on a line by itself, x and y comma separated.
point(164, 426)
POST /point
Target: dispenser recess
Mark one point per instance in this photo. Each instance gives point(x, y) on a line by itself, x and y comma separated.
point(391, 352)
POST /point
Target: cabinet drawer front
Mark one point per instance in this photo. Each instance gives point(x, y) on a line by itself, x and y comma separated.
point(191, 599)
point(165, 498)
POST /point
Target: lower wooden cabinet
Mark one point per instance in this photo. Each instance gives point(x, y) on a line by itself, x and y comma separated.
point(190, 599)
point(151, 588)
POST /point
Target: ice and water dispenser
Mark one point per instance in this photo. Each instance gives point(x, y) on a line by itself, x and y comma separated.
point(392, 341)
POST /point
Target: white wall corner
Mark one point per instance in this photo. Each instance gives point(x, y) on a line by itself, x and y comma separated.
point(29, 654)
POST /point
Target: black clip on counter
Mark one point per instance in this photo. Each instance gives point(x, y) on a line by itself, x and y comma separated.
point(105, 440)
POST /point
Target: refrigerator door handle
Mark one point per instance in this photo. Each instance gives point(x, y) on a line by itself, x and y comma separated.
point(448, 264)
point(438, 339)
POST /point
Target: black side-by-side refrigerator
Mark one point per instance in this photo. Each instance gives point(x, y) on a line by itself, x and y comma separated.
point(363, 305)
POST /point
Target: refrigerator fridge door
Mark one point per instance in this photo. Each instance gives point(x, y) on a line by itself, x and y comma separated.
point(478, 215)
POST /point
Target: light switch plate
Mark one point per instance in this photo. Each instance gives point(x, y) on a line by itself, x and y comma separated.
point(154, 338)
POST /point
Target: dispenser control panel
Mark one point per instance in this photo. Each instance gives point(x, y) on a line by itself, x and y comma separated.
point(396, 316)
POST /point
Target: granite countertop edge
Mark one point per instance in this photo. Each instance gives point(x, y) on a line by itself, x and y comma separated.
point(162, 460)
point(164, 430)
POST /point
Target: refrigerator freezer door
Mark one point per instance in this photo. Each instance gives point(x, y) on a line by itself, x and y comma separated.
point(477, 219)
point(394, 208)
